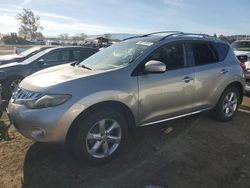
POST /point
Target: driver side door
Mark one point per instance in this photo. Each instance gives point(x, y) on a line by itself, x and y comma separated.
point(169, 94)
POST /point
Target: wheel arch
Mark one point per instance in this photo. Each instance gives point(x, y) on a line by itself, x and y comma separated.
point(237, 85)
point(123, 108)
point(240, 87)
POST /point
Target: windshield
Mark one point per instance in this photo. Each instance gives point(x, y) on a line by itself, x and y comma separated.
point(29, 51)
point(241, 45)
point(115, 56)
point(36, 56)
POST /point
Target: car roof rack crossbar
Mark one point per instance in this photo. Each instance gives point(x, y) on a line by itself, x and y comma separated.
point(154, 33)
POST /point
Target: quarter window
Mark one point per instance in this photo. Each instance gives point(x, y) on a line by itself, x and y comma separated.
point(222, 50)
point(203, 53)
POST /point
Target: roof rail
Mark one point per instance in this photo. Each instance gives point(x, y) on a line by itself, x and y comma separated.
point(170, 33)
point(154, 33)
point(187, 34)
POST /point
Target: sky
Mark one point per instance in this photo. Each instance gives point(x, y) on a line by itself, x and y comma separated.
point(227, 17)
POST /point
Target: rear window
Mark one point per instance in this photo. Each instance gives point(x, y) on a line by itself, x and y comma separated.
point(222, 50)
point(203, 53)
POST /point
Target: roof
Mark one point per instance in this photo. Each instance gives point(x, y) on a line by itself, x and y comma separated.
point(160, 36)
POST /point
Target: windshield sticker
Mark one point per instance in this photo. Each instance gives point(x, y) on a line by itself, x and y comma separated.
point(145, 43)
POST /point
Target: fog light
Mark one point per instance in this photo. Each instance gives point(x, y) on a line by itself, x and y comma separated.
point(37, 132)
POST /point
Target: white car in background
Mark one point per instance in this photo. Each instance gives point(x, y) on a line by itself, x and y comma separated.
point(242, 51)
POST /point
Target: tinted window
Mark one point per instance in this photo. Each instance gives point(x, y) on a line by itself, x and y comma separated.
point(86, 54)
point(203, 53)
point(58, 56)
point(222, 50)
point(76, 55)
point(171, 55)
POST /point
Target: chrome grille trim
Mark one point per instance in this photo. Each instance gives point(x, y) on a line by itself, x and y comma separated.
point(22, 94)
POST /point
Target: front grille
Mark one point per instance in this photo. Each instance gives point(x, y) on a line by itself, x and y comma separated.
point(21, 94)
point(242, 58)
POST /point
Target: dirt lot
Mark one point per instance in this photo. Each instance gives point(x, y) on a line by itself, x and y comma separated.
point(199, 152)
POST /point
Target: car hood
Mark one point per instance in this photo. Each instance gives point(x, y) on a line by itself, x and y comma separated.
point(9, 57)
point(56, 78)
point(242, 53)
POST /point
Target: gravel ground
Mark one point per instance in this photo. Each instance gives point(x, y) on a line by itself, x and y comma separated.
point(195, 151)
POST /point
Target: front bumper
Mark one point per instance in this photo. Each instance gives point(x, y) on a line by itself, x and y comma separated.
point(54, 122)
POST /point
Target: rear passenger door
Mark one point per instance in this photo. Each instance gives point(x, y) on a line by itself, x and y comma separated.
point(210, 73)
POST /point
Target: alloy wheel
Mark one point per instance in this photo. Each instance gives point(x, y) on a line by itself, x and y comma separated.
point(230, 104)
point(103, 138)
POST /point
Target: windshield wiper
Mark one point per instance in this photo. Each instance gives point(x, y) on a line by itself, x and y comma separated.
point(85, 67)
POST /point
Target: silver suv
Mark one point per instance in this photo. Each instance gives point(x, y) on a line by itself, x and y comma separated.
point(141, 81)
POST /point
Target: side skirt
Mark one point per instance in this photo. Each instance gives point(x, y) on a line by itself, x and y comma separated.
point(175, 117)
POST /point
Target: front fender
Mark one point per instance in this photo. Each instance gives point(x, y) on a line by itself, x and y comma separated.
point(128, 99)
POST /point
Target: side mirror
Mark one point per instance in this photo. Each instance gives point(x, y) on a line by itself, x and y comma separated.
point(154, 66)
point(40, 63)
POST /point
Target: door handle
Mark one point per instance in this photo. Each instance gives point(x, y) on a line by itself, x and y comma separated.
point(224, 71)
point(187, 79)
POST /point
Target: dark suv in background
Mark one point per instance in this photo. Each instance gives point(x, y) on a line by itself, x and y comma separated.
point(11, 74)
point(4, 59)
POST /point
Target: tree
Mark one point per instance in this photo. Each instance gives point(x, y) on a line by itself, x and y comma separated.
point(39, 36)
point(29, 24)
point(224, 38)
point(79, 37)
point(12, 39)
point(64, 36)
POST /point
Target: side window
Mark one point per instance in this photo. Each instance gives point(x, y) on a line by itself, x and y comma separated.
point(65, 55)
point(58, 56)
point(222, 50)
point(172, 55)
point(86, 54)
point(76, 55)
point(54, 56)
point(203, 53)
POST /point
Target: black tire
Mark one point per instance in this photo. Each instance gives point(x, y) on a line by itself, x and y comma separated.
point(78, 138)
point(219, 112)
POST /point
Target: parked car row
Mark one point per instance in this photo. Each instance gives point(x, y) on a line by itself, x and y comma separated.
point(4, 59)
point(242, 51)
point(12, 73)
point(90, 106)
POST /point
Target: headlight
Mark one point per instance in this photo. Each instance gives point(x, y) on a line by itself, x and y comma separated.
point(44, 101)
